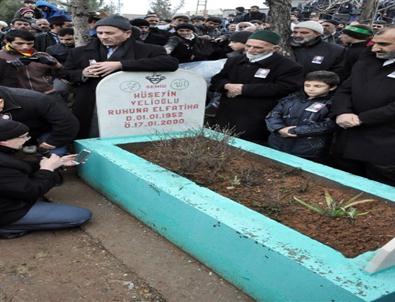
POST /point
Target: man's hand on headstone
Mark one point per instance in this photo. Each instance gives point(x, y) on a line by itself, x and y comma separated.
point(105, 68)
point(348, 120)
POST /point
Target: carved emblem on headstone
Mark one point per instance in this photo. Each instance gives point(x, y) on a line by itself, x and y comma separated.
point(179, 84)
point(155, 78)
point(130, 86)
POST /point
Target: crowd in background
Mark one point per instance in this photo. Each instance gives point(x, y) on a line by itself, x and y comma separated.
point(38, 54)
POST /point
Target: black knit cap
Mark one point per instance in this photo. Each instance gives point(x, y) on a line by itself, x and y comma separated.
point(115, 21)
point(185, 26)
point(240, 36)
point(139, 22)
point(11, 129)
point(334, 22)
point(214, 19)
point(58, 20)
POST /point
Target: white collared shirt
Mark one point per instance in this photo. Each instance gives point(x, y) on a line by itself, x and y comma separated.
point(388, 62)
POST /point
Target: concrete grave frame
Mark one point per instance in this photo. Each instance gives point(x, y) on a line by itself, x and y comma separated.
point(267, 260)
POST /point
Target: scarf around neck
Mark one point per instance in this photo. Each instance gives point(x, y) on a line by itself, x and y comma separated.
point(8, 48)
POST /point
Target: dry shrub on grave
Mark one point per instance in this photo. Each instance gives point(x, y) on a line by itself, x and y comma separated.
point(202, 150)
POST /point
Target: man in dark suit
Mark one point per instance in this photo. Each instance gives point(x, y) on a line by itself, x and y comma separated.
point(113, 50)
point(364, 107)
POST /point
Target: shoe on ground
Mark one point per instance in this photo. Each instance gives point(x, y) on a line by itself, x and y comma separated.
point(11, 234)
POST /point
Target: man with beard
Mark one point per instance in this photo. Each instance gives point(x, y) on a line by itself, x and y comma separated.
point(146, 33)
point(364, 107)
point(43, 24)
point(312, 52)
point(20, 24)
point(252, 83)
point(254, 14)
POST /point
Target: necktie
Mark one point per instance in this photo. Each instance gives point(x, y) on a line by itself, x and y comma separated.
point(110, 51)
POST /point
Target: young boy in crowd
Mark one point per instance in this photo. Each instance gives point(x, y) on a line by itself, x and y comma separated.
point(300, 123)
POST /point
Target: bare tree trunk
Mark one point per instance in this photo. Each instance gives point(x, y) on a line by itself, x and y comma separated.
point(280, 18)
point(368, 10)
point(79, 11)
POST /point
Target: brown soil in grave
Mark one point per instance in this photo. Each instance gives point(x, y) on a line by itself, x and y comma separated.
point(269, 187)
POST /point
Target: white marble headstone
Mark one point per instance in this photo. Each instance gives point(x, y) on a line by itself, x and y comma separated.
point(384, 258)
point(134, 103)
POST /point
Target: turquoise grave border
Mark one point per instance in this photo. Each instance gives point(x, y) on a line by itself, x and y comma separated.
point(267, 260)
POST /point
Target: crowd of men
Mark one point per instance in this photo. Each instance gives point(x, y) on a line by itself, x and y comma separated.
point(332, 102)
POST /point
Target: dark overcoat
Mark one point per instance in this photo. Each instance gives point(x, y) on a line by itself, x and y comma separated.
point(260, 92)
point(41, 114)
point(319, 55)
point(352, 55)
point(369, 92)
point(133, 55)
point(44, 40)
point(157, 39)
point(191, 50)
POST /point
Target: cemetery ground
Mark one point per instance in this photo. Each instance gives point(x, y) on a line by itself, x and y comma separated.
point(112, 258)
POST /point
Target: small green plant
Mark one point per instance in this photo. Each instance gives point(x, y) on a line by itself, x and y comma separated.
point(334, 208)
point(235, 181)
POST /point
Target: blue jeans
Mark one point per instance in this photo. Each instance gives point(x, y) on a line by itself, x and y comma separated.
point(60, 151)
point(46, 216)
